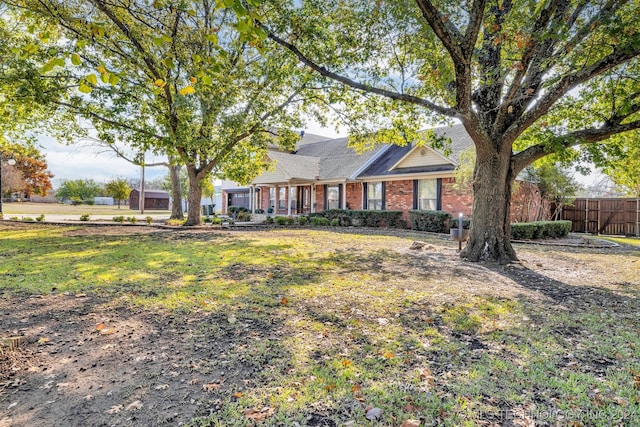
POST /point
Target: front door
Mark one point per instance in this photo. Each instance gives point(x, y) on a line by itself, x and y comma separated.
point(303, 205)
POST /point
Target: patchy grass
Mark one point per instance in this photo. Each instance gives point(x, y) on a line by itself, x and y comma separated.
point(326, 325)
point(630, 241)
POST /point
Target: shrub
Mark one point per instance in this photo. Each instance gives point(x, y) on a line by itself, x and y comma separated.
point(236, 209)
point(378, 219)
point(13, 218)
point(40, 218)
point(290, 220)
point(523, 231)
point(269, 220)
point(28, 219)
point(132, 219)
point(319, 221)
point(84, 217)
point(215, 220)
point(90, 202)
point(119, 219)
point(281, 220)
point(433, 221)
point(334, 222)
point(243, 216)
point(303, 220)
point(148, 219)
point(540, 230)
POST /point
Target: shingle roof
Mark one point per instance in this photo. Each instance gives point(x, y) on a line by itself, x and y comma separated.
point(333, 159)
point(296, 166)
point(337, 159)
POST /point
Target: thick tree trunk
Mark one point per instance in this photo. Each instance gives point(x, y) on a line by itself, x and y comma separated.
point(194, 197)
point(176, 194)
point(490, 234)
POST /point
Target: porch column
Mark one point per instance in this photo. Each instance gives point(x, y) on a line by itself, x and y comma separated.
point(344, 195)
point(313, 198)
point(252, 201)
point(288, 199)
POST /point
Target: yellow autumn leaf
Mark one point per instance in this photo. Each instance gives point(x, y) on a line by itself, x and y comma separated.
point(193, 79)
point(101, 69)
point(160, 83)
point(187, 90)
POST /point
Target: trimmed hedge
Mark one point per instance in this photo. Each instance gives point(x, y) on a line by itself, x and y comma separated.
point(540, 230)
point(433, 221)
point(346, 218)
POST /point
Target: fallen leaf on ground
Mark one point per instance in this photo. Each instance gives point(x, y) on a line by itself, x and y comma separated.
point(410, 423)
point(43, 340)
point(114, 409)
point(208, 387)
point(133, 406)
point(107, 331)
point(162, 387)
point(284, 301)
point(259, 414)
point(100, 326)
point(238, 394)
point(373, 414)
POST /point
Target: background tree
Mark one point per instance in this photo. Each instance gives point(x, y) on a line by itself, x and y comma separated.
point(556, 184)
point(117, 188)
point(29, 175)
point(546, 76)
point(78, 191)
point(623, 165)
point(177, 77)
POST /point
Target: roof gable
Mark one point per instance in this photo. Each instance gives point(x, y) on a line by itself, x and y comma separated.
point(422, 156)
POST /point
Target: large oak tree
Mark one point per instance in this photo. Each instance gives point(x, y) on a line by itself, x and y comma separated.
point(525, 78)
point(180, 77)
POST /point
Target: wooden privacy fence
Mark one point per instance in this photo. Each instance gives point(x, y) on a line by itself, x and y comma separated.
point(604, 216)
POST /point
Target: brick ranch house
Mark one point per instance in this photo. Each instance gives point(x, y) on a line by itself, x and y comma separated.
point(327, 174)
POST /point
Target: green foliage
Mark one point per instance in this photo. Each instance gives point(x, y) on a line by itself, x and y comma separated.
point(622, 163)
point(361, 218)
point(40, 218)
point(216, 220)
point(391, 219)
point(132, 219)
point(117, 188)
point(79, 190)
point(27, 219)
point(148, 219)
point(319, 221)
point(432, 221)
point(119, 219)
point(270, 220)
point(556, 184)
point(85, 217)
point(303, 220)
point(243, 216)
point(464, 170)
point(334, 222)
point(281, 220)
point(175, 222)
point(540, 230)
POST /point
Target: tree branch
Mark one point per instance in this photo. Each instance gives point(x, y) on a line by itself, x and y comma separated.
point(449, 112)
point(585, 136)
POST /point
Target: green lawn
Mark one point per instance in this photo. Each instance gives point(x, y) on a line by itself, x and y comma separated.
point(357, 321)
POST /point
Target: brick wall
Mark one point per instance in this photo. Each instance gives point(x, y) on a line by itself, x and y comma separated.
point(399, 196)
point(319, 198)
point(456, 201)
point(354, 196)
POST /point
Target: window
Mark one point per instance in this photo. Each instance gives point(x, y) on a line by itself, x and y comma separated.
point(427, 194)
point(272, 198)
point(375, 196)
point(292, 198)
point(333, 197)
point(282, 198)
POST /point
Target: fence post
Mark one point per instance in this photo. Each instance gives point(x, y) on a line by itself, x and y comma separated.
point(637, 217)
point(586, 215)
point(598, 230)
